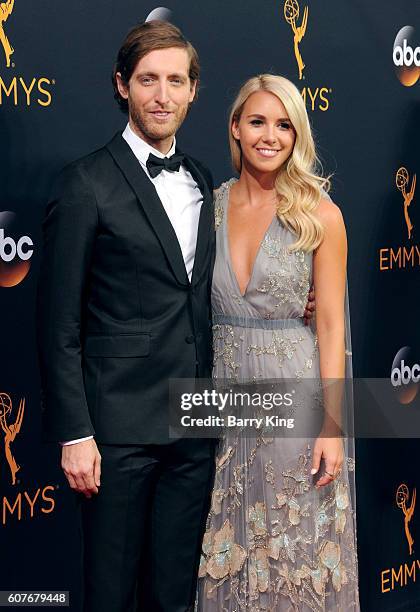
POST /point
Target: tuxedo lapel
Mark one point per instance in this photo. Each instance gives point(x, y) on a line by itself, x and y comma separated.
point(205, 224)
point(151, 204)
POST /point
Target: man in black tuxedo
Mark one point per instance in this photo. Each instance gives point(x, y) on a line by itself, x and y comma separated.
point(124, 306)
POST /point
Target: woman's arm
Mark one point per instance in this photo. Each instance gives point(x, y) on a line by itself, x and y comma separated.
point(330, 261)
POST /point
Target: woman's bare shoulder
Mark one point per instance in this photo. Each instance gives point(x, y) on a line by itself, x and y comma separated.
point(329, 213)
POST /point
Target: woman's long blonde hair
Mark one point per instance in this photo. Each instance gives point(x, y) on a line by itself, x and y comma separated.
point(298, 185)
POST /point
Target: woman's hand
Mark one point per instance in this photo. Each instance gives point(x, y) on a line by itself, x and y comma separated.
point(332, 451)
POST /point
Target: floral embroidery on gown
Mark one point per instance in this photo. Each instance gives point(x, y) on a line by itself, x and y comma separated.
point(273, 541)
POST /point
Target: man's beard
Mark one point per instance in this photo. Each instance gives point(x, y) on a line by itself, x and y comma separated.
point(155, 131)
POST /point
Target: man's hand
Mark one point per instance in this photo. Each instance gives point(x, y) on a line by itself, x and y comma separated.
point(310, 306)
point(81, 463)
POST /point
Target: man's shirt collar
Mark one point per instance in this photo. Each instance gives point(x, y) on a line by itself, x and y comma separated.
point(142, 149)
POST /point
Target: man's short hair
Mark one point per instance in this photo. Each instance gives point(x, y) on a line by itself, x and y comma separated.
point(143, 39)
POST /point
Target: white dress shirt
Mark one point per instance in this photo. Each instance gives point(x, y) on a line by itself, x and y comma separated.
point(181, 198)
point(179, 194)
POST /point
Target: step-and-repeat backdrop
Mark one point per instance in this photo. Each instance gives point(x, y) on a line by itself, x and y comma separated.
point(358, 66)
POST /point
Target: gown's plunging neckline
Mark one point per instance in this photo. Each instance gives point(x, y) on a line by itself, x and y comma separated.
point(229, 258)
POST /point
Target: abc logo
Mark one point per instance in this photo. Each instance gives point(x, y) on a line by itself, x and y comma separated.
point(15, 251)
point(405, 375)
point(406, 56)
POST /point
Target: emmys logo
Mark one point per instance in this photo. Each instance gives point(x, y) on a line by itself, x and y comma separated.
point(291, 13)
point(316, 98)
point(20, 503)
point(406, 56)
point(402, 256)
point(6, 9)
point(406, 573)
point(19, 89)
point(402, 498)
point(404, 377)
point(15, 253)
point(10, 429)
point(402, 179)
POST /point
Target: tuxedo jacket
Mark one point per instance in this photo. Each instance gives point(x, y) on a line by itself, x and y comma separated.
point(117, 315)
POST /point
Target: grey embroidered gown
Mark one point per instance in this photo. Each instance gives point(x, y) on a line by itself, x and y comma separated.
point(273, 541)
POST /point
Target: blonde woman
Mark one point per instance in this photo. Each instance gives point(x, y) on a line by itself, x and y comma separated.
point(281, 532)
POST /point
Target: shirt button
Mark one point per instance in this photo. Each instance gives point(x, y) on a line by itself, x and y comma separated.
point(189, 339)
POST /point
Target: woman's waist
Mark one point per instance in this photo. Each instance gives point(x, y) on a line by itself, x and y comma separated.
point(258, 322)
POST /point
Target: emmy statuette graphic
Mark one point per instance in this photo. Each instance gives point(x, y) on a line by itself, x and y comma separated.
point(10, 430)
point(402, 498)
point(6, 9)
point(291, 14)
point(402, 179)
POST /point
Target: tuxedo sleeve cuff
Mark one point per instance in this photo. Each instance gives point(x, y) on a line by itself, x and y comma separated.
point(70, 442)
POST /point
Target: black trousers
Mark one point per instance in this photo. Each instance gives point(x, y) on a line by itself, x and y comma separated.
point(142, 533)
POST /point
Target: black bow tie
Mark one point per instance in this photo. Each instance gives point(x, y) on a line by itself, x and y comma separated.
point(155, 165)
